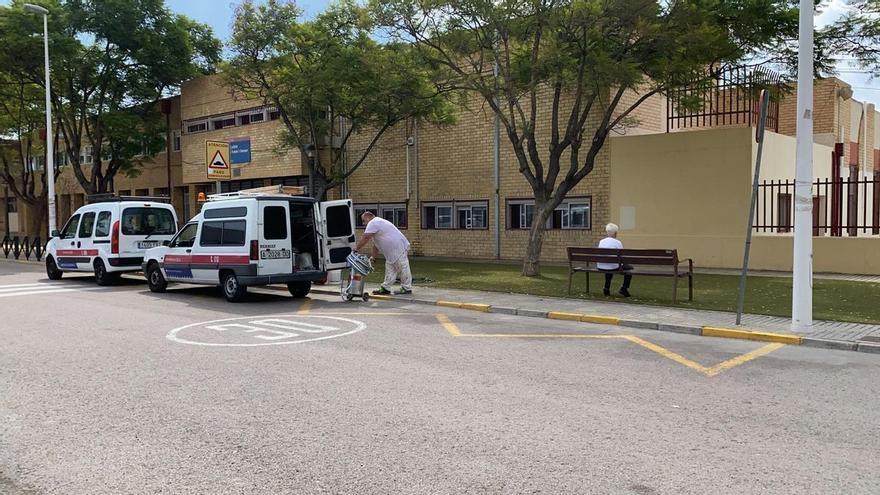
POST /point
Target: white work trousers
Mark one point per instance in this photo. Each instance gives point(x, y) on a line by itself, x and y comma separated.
point(399, 268)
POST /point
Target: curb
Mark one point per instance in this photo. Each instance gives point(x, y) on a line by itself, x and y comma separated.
point(705, 331)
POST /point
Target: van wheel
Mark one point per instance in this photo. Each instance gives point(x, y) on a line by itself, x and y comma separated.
point(155, 278)
point(102, 277)
point(232, 289)
point(52, 269)
point(299, 289)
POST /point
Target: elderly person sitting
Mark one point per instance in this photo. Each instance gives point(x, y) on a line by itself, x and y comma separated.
point(611, 242)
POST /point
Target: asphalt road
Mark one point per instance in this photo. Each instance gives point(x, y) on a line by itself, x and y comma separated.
point(118, 390)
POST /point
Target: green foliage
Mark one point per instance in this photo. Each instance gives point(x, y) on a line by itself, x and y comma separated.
point(565, 65)
point(329, 77)
point(112, 60)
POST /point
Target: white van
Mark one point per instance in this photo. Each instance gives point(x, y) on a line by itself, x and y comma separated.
point(109, 236)
point(244, 239)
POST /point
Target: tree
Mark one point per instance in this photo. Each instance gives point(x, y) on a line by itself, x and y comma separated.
point(21, 118)
point(577, 58)
point(330, 79)
point(856, 34)
point(112, 60)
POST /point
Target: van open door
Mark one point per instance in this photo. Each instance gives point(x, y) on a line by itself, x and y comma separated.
point(335, 232)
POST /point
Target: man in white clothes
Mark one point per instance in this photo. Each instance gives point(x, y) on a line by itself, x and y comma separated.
point(611, 242)
point(394, 247)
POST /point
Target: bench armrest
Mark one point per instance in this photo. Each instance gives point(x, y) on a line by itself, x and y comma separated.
point(690, 263)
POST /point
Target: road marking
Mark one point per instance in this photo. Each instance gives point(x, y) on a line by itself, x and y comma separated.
point(265, 327)
point(450, 327)
point(38, 292)
point(454, 331)
point(305, 307)
point(743, 358)
point(19, 286)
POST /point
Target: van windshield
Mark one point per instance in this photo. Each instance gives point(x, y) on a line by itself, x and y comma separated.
point(147, 221)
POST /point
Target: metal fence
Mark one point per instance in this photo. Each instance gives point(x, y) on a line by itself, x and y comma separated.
point(841, 207)
point(724, 98)
point(17, 247)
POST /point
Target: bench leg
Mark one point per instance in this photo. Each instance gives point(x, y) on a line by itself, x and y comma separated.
point(570, 274)
point(587, 277)
point(675, 289)
point(690, 287)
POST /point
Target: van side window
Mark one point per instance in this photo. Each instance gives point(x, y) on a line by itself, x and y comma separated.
point(69, 231)
point(274, 222)
point(186, 237)
point(228, 233)
point(339, 221)
point(102, 227)
point(87, 225)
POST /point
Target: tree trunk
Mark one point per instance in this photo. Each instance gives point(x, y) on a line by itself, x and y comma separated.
point(532, 262)
point(38, 218)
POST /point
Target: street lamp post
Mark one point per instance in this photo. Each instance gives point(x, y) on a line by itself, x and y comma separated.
point(50, 153)
point(802, 287)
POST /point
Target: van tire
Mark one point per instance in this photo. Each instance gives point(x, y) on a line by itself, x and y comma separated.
point(299, 289)
point(155, 279)
point(52, 270)
point(102, 276)
point(232, 288)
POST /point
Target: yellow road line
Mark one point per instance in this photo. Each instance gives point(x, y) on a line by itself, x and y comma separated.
point(450, 327)
point(362, 313)
point(381, 297)
point(678, 358)
point(731, 333)
point(744, 358)
point(543, 335)
point(305, 307)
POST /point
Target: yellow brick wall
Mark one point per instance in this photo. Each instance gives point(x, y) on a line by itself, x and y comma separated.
point(456, 163)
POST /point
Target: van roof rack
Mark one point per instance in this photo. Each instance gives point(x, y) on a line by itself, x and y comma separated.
point(114, 198)
point(279, 190)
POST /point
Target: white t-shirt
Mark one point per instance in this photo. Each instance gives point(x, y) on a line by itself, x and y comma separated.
point(388, 239)
point(609, 243)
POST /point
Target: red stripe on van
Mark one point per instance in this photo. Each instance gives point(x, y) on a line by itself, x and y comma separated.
point(209, 259)
point(77, 252)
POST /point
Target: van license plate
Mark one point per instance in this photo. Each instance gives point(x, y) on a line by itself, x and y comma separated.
point(147, 244)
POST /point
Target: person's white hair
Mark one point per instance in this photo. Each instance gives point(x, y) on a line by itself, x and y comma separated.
point(612, 228)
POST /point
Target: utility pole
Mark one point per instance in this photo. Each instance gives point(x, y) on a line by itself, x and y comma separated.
point(802, 288)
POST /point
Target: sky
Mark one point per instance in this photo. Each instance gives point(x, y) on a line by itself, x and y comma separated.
point(218, 14)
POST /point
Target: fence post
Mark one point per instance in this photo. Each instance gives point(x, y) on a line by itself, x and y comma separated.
point(16, 247)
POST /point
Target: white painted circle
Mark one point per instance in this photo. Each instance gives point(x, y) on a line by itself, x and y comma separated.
point(261, 324)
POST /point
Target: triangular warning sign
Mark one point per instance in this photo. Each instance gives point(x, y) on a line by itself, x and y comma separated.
point(218, 161)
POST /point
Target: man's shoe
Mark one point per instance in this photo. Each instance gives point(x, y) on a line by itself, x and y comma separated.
point(381, 291)
point(625, 293)
point(402, 292)
point(607, 292)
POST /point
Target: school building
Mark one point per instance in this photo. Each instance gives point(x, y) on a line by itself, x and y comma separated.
point(671, 178)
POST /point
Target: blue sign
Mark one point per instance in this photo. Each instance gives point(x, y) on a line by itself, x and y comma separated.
point(240, 151)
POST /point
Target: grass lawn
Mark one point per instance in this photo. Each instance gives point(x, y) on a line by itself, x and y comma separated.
point(832, 299)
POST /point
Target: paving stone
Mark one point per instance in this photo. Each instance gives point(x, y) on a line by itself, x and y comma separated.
point(502, 310)
point(531, 312)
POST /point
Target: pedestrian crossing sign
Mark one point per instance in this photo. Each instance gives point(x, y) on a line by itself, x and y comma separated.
point(217, 160)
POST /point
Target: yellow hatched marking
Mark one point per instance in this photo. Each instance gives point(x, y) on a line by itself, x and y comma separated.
point(744, 358)
point(678, 358)
point(450, 327)
point(305, 307)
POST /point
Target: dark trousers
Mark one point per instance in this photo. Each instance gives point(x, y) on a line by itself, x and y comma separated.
point(627, 277)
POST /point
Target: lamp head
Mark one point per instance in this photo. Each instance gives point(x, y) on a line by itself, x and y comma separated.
point(35, 9)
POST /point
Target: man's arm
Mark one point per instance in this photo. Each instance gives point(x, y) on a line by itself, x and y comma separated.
point(363, 241)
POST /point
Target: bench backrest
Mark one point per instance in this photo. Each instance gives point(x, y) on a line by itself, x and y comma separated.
point(667, 257)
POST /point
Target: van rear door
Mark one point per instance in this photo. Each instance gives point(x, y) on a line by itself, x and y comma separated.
point(145, 226)
point(335, 232)
point(275, 240)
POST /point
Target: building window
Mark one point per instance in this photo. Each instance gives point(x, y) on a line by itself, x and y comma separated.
point(195, 126)
point(222, 122)
point(360, 210)
point(472, 216)
point(12, 204)
point(394, 213)
point(251, 116)
point(175, 140)
point(437, 216)
point(273, 112)
point(87, 155)
point(571, 214)
point(141, 192)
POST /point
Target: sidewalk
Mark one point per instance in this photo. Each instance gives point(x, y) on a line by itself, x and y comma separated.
point(825, 334)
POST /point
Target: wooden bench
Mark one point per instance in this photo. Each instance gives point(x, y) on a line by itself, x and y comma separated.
point(585, 259)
